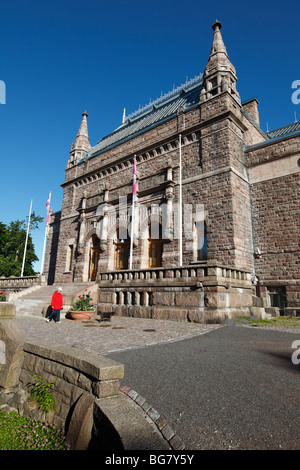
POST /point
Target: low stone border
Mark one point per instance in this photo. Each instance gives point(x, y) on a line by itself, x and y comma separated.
point(160, 421)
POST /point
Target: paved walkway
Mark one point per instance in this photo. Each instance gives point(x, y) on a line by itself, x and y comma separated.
point(122, 333)
point(219, 387)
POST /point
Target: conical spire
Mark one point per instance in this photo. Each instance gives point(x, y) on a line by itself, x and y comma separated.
point(81, 144)
point(218, 45)
point(82, 141)
point(219, 73)
point(218, 59)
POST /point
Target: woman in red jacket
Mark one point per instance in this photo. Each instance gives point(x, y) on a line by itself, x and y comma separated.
point(56, 304)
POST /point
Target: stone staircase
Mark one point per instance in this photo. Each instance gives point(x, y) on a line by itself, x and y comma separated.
point(35, 301)
point(260, 310)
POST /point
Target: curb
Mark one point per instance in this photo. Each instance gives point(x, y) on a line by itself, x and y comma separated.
point(160, 421)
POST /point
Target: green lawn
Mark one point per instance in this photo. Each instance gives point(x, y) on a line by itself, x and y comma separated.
point(22, 433)
point(287, 322)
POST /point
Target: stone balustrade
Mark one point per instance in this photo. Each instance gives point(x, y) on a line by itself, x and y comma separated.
point(200, 292)
point(184, 273)
point(15, 284)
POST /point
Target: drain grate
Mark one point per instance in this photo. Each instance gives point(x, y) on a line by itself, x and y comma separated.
point(149, 329)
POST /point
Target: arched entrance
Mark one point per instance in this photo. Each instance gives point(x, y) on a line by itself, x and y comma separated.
point(94, 257)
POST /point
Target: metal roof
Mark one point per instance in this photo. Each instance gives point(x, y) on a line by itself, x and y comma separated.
point(284, 131)
point(186, 95)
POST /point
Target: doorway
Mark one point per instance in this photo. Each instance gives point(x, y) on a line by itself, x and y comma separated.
point(94, 257)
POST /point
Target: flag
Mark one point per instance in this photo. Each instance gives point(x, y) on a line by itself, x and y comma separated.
point(134, 196)
point(48, 208)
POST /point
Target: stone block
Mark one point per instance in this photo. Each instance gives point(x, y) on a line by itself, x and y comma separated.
point(106, 297)
point(163, 298)
point(7, 310)
point(188, 299)
point(106, 388)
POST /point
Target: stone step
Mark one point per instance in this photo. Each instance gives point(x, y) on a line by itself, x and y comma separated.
point(36, 303)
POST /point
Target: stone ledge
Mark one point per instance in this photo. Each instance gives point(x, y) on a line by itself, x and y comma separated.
point(97, 367)
point(160, 422)
point(135, 428)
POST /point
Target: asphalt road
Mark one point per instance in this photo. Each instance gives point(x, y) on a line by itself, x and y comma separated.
point(231, 388)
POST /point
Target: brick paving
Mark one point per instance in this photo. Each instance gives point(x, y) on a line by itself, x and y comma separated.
point(121, 333)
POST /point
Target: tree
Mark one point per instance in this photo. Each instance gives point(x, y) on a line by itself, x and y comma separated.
point(12, 244)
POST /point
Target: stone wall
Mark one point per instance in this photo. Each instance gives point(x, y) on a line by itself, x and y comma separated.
point(74, 372)
point(274, 173)
point(204, 294)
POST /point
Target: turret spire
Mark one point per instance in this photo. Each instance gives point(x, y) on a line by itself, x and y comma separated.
point(82, 143)
point(219, 74)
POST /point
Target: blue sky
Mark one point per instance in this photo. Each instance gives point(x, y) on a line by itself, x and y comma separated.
point(61, 57)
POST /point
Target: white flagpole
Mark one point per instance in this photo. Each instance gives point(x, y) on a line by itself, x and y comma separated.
point(131, 235)
point(24, 256)
point(180, 205)
point(46, 230)
point(132, 214)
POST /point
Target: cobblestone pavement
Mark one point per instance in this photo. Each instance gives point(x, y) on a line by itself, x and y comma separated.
point(121, 333)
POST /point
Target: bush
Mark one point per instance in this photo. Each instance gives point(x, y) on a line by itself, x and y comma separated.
point(2, 296)
point(41, 393)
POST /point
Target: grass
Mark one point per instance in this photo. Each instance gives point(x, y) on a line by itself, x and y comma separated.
point(287, 322)
point(23, 433)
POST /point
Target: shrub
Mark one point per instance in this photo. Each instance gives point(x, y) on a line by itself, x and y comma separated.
point(2, 296)
point(41, 393)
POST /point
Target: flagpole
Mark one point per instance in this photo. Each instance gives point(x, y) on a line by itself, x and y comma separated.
point(132, 214)
point(180, 204)
point(23, 264)
point(46, 229)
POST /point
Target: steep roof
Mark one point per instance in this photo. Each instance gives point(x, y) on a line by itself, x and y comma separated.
point(164, 108)
point(284, 131)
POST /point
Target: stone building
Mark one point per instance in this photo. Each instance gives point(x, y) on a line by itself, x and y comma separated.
point(204, 165)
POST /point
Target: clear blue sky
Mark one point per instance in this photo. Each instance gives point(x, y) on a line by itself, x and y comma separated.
point(61, 57)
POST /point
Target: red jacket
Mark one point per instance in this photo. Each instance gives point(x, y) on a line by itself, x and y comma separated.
point(57, 301)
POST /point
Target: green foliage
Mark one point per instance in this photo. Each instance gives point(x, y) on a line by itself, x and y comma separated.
point(12, 244)
point(2, 296)
point(22, 433)
point(41, 393)
point(83, 303)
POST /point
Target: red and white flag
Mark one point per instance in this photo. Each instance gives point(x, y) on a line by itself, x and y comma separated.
point(134, 196)
point(48, 208)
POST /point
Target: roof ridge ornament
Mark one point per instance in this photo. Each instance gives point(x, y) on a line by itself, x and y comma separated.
point(167, 96)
